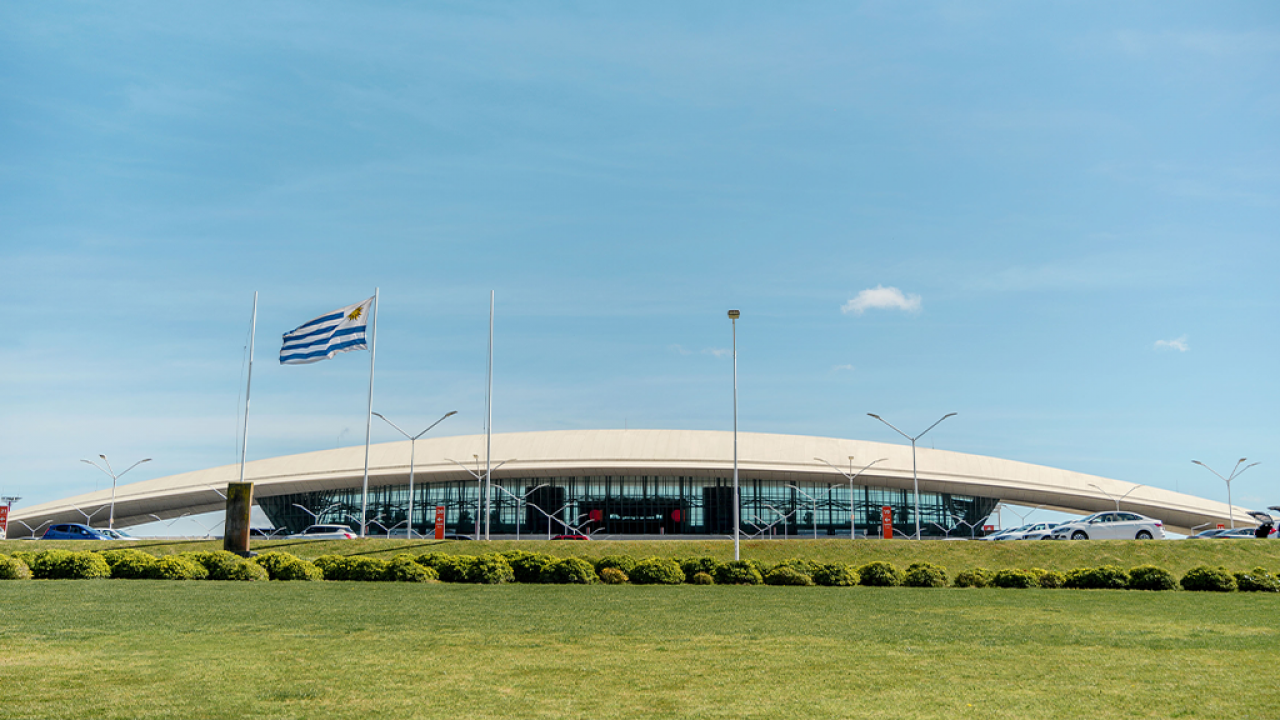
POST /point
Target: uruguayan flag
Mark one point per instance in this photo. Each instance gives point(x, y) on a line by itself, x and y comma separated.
point(326, 336)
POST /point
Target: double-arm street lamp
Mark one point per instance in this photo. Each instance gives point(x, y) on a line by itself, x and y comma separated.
point(1236, 472)
point(111, 520)
point(851, 476)
point(413, 443)
point(480, 499)
point(815, 511)
point(523, 500)
point(733, 318)
point(1113, 497)
point(915, 479)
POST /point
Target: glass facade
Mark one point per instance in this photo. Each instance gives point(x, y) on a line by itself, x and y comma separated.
point(637, 505)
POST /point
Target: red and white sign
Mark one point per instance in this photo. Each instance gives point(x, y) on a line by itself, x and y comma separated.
point(886, 522)
point(1221, 526)
point(988, 528)
point(4, 521)
point(439, 522)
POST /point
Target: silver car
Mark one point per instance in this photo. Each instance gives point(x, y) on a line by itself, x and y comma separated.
point(326, 532)
point(1111, 526)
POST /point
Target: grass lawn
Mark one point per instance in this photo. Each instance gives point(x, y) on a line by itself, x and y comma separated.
point(155, 649)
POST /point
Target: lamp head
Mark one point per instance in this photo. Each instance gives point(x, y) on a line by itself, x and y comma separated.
point(734, 314)
point(451, 413)
point(874, 415)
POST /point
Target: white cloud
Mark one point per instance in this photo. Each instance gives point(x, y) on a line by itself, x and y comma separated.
point(1179, 344)
point(838, 368)
point(717, 352)
point(881, 298)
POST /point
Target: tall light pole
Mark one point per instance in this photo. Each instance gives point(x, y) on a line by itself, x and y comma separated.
point(413, 442)
point(111, 521)
point(1236, 472)
point(1113, 497)
point(733, 318)
point(915, 479)
point(851, 477)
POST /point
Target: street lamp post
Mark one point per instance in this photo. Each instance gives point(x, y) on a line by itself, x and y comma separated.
point(851, 477)
point(1112, 497)
point(815, 510)
point(523, 500)
point(733, 318)
point(315, 517)
point(413, 442)
point(915, 479)
point(488, 473)
point(111, 521)
point(1236, 472)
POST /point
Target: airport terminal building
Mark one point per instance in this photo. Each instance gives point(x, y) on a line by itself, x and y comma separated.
point(637, 482)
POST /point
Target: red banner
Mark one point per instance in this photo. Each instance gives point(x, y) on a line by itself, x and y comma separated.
point(439, 522)
point(4, 521)
point(886, 522)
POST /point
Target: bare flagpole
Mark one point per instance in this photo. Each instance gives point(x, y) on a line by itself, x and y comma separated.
point(244, 439)
point(368, 418)
point(488, 433)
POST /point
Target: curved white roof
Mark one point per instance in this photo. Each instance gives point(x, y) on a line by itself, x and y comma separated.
point(689, 453)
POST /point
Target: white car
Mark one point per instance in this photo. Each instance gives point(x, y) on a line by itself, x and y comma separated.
point(325, 532)
point(1110, 526)
point(1006, 534)
point(116, 534)
point(1038, 531)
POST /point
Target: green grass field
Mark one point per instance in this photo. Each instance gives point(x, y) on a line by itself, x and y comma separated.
point(155, 649)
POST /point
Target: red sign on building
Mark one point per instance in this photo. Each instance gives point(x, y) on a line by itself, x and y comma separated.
point(886, 522)
point(4, 521)
point(439, 522)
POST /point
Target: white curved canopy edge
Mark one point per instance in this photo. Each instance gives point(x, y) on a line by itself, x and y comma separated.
point(689, 453)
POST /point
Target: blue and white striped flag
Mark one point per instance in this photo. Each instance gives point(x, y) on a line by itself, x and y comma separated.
point(339, 331)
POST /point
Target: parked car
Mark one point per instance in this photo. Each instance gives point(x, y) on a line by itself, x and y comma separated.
point(1267, 525)
point(1236, 534)
point(572, 536)
point(457, 537)
point(1206, 534)
point(115, 534)
point(1111, 526)
point(73, 531)
point(1039, 531)
point(1004, 534)
point(326, 532)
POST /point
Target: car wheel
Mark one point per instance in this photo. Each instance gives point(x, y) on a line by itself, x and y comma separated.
point(1144, 535)
point(1047, 537)
point(1079, 535)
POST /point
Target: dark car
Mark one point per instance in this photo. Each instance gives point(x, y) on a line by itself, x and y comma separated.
point(73, 531)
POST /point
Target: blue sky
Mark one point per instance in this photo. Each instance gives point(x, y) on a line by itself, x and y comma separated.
point(1057, 219)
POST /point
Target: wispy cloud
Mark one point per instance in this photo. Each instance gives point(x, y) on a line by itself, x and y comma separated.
point(842, 368)
point(716, 352)
point(1179, 344)
point(882, 298)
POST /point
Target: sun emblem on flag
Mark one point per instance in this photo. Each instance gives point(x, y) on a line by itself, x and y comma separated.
point(355, 314)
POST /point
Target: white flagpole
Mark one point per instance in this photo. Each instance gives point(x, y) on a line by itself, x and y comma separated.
point(244, 440)
point(488, 435)
point(368, 418)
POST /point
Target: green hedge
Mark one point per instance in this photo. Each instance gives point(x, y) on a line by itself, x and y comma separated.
point(923, 574)
point(705, 565)
point(569, 571)
point(67, 565)
point(1150, 577)
point(177, 567)
point(131, 563)
point(836, 575)
point(625, 563)
point(1106, 577)
point(1208, 579)
point(1257, 580)
point(285, 566)
point(12, 568)
point(1015, 579)
point(612, 576)
point(738, 572)
point(657, 571)
point(787, 575)
point(879, 573)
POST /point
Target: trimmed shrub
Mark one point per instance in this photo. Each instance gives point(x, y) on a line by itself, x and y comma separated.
point(923, 574)
point(1014, 579)
point(702, 578)
point(26, 556)
point(1106, 577)
point(738, 572)
point(11, 568)
point(402, 568)
point(242, 570)
point(491, 569)
point(879, 574)
point(131, 563)
point(177, 567)
point(802, 566)
point(973, 578)
point(527, 566)
point(1208, 579)
point(1150, 577)
point(1256, 580)
point(625, 563)
point(612, 576)
point(223, 565)
point(705, 565)
point(1048, 579)
point(359, 569)
point(836, 575)
point(454, 568)
point(286, 566)
point(569, 571)
point(657, 571)
point(68, 565)
point(787, 575)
